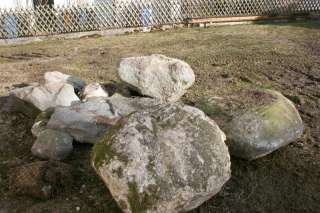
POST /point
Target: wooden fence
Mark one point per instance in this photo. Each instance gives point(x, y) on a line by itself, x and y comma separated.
point(111, 14)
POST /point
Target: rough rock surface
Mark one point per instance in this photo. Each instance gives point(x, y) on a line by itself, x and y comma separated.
point(94, 90)
point(88, 121)
point(52, 145)
point(125, 106)
point(256, 122)
point(40, 179)
point(170, 159)
point(47, 96)
point(58, 77)
point(157, 76)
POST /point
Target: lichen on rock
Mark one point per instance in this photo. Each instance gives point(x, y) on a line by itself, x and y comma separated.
point(170, 158)
point(256, 122)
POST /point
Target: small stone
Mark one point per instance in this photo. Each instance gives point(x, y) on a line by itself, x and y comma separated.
point(94, 90)
point(53, 145)
point(78, 208)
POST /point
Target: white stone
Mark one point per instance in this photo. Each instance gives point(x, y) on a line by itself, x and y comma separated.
point(157, 76)
point(94, 90)
point(47, 96)
point(58, 77)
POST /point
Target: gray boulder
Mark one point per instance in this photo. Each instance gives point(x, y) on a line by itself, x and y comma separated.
point(52, 145)
point(47, 96)
point(169, 159)
point(256, 122)
point(58, 77)
point(87, 121)
point(157, 76)
point(125, 106)
point(94, 90)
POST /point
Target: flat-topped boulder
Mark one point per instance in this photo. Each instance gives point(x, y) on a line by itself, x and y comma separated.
point(157, 76)
point(87, 121)
point(169, 159)
point(256, 122)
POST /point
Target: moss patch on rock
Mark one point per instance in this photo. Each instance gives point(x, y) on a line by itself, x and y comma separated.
point(141, 202)
point(256, 122)
point(102, 151)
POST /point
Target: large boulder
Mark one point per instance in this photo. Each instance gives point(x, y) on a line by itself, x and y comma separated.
point(256, 122)
point(94, 90)
point(58, 77)
point(88, 121)
point(52, 145)
point(48, 95)
point(157, 76)
point(169, 159)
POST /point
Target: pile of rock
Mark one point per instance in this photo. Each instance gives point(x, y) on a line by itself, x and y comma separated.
point(154, 153)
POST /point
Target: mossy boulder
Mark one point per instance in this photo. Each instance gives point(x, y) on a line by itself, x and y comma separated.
point(168, 159)
point(256, 122)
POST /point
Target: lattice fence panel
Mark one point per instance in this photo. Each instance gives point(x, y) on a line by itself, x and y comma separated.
point(109, 14)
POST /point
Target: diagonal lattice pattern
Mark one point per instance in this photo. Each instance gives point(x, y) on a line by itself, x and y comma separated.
point(109, 14)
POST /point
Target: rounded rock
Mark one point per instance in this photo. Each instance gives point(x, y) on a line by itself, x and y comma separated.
point(256, 122)
point(169, 159)
point(53, 145)
point(157, 76)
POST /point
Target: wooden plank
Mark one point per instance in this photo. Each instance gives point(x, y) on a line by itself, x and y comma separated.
point(233, 19)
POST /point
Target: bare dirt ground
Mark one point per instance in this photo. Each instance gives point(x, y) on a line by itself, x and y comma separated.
point(285, 57)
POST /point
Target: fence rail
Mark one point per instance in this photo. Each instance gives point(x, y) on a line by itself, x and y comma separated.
point(110, 14)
